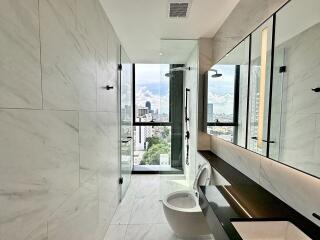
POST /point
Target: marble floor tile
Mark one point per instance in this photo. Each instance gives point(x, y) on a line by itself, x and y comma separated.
point(141, 217)
point(116, 232)
point(147, 211)
point(149, 232)
point(123, 212)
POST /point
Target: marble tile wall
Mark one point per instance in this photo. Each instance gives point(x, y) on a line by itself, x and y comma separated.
point(297, 189)
point(59, 162)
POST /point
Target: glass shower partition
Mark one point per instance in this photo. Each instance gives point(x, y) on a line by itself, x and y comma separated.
point(126, 129)
point(179, 68)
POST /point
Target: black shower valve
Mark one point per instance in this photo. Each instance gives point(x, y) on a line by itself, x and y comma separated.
point(316, 89)
point(187, 135)
point(108, 87)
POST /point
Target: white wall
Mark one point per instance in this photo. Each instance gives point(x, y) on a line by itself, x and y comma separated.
point(58, 127)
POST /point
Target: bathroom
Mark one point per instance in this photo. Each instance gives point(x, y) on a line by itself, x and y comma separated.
point(233, 102)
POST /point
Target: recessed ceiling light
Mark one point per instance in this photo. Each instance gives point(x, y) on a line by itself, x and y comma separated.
point(161, 54)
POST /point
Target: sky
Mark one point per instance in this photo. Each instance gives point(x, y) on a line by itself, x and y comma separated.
point(221, 90)
point(153, 86)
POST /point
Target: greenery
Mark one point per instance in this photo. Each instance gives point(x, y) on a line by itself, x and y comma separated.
point(157, 145)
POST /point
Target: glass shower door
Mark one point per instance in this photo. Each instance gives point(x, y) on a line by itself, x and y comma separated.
point(126, 134)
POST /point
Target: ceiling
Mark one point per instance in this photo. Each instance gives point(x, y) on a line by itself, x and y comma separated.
point(141, 24)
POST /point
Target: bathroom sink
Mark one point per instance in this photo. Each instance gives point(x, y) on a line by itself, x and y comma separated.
point(269, 230)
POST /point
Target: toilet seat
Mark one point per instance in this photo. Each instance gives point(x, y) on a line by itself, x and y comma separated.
point(182, 201)
point(187, 201)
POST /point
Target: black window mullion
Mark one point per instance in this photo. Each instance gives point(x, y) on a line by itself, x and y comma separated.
point(236, 102)
point(271, 84)
point(248, 92)
point(134, 93)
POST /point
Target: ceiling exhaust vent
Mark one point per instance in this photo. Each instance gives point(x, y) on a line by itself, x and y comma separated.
point(179, 8)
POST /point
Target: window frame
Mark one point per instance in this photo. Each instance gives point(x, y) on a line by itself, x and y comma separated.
point(235, 121)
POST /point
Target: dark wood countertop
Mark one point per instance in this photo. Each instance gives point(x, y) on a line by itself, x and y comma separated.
point(244, 200)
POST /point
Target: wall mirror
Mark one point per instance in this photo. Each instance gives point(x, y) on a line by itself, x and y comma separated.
point(264, 95)
point(295, 108)
point(227, 89)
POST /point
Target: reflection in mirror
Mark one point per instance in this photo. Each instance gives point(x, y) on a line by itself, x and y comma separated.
point(295, 115)
point(259, 88)
point(227, 96)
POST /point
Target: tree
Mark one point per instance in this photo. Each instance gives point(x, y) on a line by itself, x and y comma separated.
point(152, 141)
point(152, 156)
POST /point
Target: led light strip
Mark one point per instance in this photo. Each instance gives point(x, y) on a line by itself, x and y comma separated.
point(263, 76)
point(237, 202)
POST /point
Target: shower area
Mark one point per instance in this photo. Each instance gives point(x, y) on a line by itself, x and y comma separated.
point(164, 115)
point(183, 59)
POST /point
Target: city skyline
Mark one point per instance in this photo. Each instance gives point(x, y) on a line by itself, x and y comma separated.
point(152, 86)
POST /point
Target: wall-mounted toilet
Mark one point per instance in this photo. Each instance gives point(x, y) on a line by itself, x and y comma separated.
point(182, 208)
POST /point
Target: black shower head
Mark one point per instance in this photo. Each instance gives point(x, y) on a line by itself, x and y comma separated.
point(216, 75)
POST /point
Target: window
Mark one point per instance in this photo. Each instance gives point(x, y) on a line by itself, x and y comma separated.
point(153, 120)
point(152, 93)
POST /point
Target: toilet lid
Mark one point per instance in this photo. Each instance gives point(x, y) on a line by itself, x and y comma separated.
point(203, 176)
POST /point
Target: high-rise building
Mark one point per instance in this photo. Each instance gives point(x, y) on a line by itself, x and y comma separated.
point(210, 112)
point(148, 105)
point(143, 112)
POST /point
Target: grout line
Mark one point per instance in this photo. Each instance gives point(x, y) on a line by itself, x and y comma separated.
point(40, 45)
point(79, 155)
point(56, 110)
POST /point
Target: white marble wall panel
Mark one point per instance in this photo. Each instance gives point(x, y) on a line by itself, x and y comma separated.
point(297, 189)
point(298, 142)
point(113, 49)
point(20, 75)
point(96, 138)
point(40, 233)
point(93, 27)
point(107, 100)
point(301, 78)
point(69, 66)
point(77, 218)
point(243, 160)
point(39, 166)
